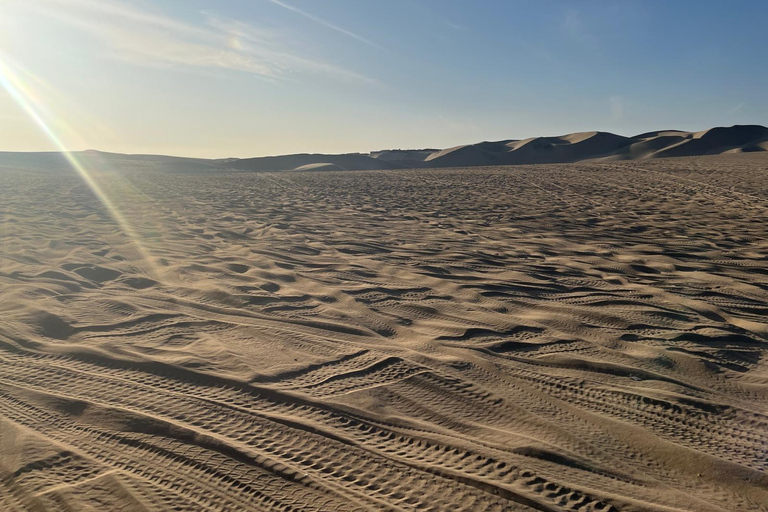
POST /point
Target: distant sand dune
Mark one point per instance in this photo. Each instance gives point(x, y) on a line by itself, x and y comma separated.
point(571, 148)
point(582, 337)
point(289, 162)
point(577, 147)
point(320, 166)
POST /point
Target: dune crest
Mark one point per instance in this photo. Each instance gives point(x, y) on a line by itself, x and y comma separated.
point(571, 148)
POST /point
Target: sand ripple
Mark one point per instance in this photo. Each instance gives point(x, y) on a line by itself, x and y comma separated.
point(582, 337)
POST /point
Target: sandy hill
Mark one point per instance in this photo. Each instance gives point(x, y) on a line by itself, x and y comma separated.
point(566, 148)
point(577, 147)
point(405, 157)
point(718, 140)
point(55, 162)
point(292, 162)
point(320, 166)
point(570, 148)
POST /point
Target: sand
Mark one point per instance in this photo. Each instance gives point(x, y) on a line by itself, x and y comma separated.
point(586, 337)
point(596, 146)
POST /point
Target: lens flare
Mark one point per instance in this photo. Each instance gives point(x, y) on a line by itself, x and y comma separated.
point(12, 82)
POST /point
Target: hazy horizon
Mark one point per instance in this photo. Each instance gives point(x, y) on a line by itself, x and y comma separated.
point(271, 77)
point(363, 152)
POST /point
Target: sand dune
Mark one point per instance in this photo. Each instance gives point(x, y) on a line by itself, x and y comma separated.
point(405, 157)
point(56, 162)
point(320, 166)
point(583, 337)
point(291, 162)
point(578, 147)
point(571, 148)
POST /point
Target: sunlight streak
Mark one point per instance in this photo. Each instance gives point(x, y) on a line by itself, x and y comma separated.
point(12, 82)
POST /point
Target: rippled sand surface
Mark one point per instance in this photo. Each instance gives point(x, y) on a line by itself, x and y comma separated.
point(587, 337)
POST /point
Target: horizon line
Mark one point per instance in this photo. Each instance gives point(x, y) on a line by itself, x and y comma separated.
point(94, 150)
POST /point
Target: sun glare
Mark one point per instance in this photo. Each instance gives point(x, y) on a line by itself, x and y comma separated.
point(13, 80)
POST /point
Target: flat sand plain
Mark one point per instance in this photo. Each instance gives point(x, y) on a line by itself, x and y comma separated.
point(587, 337)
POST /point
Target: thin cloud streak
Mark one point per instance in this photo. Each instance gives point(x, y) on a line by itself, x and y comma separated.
point(151, 39)
point(326, 23)
point(736, 109)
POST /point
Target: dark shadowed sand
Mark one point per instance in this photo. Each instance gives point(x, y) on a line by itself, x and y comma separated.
point(587, 337)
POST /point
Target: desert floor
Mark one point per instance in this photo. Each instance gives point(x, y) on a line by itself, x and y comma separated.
point(587, 337)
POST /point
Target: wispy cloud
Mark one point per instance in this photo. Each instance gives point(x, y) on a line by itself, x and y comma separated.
point(146, 38)
point(736, 109)
point(326, 23)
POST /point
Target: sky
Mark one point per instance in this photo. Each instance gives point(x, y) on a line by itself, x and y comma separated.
point(240, 78)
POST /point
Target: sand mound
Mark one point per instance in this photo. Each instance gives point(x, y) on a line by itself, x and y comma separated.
point(715, 141)
point(567, 148)
point(461, 156)
point(291, 162)
point(403, 155)
point(758, 146)
point(320, 166)
point(106, 162)
point(577, 147)
point(582, 337)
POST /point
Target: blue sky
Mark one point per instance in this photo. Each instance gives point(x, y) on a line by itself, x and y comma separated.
point(258, 77)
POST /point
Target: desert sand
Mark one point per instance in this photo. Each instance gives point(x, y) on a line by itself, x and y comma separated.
point(583, 337)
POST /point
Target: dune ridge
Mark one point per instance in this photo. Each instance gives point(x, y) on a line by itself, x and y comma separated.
point(582, 337)
point(571, 148)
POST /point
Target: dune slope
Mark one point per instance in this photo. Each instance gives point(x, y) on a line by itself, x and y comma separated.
point(578, 147)
point(571, 148)
point(583, 337)
point(290, 162)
